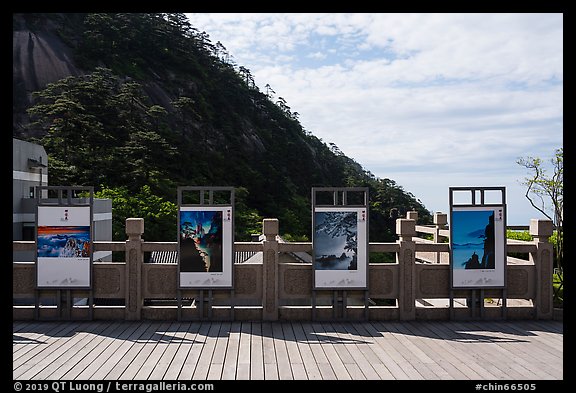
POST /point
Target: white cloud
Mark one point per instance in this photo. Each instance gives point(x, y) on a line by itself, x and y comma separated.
point(417, 94)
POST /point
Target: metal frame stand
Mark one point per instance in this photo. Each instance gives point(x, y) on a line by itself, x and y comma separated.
point(202, 302)
point(476, 300)
point(339, 303)
point(476, 294)
point(64, 298)
point(64, 305)
point(339, 300)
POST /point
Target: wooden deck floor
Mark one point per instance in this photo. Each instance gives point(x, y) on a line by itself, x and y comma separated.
point(149, 350)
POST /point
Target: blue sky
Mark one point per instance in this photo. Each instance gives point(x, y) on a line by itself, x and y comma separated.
point(470, 223)
point(430, 101)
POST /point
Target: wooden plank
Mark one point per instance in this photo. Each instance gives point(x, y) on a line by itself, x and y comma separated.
point(499, 340)
point(136, 369)
point(68, 367)
point(44, 357)
point(159, 360)
point(360, 351)
point(26, 326)
point(269, 353)
point(324, 330)
point(413, 353)
point(256, 352)
point(219, 354)
point(528, 360)
point(45, 363)
point(282, 360)
point(102, 352)
point(477, 350)
point(551, 342)
point(52, 334)
point(296, 362)
point(483, 355)
point(369, 349)
point(444, 362)
point(203, 366)
point(33, 335)
point(187, 338)
point(551, 328)
point(177, 333)
point(407, 361)
point(127, 358)
point(196, 347)
point(345, 351)
point(379, 359)
point(386, 352)
point(243, 363)
point(490, 354)
point(315, 342)
point(111, 356)
point(310, 366)
point(22, 325)
point(374, 354)
point(231, 358)
point(548, 334)
point(447, 340)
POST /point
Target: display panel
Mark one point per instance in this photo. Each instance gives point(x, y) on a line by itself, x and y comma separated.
point(340, 247)
point(205, 246)
point(64, 247)
point(477, 237)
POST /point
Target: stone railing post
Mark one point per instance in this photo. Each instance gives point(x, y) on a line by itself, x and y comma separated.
point(440, 221)
point(134, 261)
point(412, 215)
point(406, 229)
point(543, 259)
point(270, 270)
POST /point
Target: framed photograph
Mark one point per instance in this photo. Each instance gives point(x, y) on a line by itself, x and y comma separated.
point(205, 240)
point(340, 246)
point(477, 249)
point(63, 247)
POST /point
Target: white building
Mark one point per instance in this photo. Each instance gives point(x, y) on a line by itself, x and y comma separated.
point(30, 169)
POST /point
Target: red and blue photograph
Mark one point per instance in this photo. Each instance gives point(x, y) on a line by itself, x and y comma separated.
point(63, 241)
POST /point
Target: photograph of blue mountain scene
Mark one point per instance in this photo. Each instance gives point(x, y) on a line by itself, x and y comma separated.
point(473, 243)
point(336, 240)
point(200, 241)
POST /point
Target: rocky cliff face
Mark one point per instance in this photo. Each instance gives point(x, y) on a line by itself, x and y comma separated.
point(38, 57)
point(208, 112)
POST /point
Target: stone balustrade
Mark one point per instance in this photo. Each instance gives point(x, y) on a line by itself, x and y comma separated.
point(279, 287)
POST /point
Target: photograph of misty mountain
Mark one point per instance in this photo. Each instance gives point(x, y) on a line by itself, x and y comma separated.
point(336, 240)
point(200, 241)
point(473, 243)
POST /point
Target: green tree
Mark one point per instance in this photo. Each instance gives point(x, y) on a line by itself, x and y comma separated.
point(171, 109)
point(159, 215)
point(247, 221)
point(545, 191)
point(101, 130)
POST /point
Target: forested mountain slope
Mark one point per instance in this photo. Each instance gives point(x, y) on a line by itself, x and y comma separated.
point(122, 101)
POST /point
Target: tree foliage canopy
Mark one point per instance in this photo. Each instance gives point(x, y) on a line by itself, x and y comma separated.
point(159, 105)
point(545, 191)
